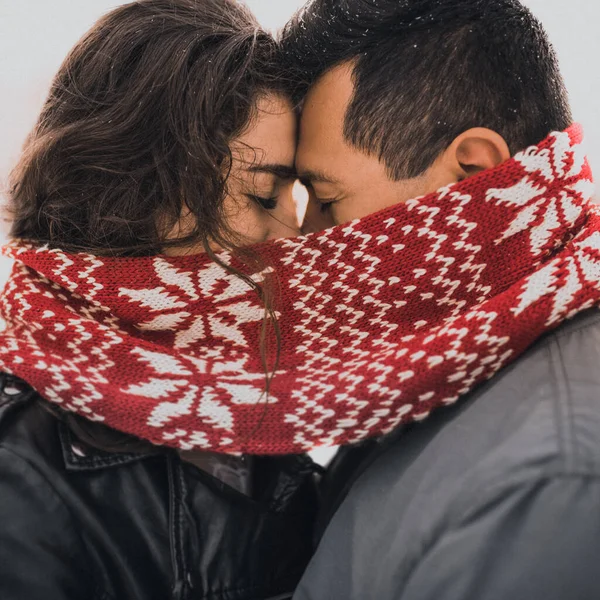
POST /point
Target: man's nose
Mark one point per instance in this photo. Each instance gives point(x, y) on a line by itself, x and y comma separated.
point(316, 219)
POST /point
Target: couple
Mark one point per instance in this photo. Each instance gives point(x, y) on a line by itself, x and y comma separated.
point(175, 340)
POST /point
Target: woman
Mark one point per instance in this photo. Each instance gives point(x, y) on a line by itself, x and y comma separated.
point(168, 132)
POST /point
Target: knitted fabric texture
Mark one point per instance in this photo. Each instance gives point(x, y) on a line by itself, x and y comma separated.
point(382, 320)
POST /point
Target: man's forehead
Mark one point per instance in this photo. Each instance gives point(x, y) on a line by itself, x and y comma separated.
point(331, 94)
point(321, 142)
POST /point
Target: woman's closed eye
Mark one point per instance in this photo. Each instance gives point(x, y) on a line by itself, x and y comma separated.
point(268, 203)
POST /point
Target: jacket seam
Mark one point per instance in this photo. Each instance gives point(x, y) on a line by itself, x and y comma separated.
point(484, 497)
point(175, 530)
point(562, 414)
point(569, 426)
point(55, 492)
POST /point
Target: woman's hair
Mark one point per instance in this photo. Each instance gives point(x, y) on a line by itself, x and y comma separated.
point(137, 130)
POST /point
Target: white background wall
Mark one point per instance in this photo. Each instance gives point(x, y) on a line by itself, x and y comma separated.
point(35, 36)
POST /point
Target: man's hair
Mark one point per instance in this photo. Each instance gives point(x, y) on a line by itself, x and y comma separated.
point(425, 71)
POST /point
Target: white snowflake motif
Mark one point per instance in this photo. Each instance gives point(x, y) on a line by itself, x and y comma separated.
point(563, 280)
point(173, 384)
point(191, 327)
point(534, 202)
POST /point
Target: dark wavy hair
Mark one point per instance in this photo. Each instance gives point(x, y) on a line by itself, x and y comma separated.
point(137, 128)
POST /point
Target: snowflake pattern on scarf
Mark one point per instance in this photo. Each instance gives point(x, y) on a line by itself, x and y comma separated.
point(382, 320)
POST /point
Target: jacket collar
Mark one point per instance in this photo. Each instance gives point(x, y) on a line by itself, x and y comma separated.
point(79, 456)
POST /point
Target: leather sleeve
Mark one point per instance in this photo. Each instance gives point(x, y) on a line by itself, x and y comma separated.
point(41, 551)
point(539, 541)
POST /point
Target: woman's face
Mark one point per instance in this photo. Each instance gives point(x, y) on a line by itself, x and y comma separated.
point(259, 205)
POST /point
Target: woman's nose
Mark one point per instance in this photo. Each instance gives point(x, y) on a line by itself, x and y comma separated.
point(283, 222)
point(282, 227)
point(286, 219)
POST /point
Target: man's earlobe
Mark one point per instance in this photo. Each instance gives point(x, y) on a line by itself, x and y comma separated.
point(478, 149)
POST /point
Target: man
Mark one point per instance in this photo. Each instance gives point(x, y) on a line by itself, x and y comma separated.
point(497, 497)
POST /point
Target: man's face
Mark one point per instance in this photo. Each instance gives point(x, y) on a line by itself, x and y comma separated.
point(356, 184)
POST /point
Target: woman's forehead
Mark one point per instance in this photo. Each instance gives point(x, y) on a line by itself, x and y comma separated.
point(271, 137)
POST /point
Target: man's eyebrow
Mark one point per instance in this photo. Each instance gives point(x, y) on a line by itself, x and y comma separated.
point(281, 171)
point(316, 176)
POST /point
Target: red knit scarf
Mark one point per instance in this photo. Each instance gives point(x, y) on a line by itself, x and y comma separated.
point(382, 320)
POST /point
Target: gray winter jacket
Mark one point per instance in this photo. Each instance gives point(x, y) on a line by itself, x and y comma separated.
point(496, 498)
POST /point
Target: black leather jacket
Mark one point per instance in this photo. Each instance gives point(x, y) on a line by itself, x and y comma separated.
point(77, 523)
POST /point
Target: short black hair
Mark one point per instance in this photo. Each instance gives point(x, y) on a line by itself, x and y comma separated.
point(427, 70)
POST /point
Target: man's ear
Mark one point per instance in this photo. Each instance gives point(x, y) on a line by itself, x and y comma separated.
point(476, 150)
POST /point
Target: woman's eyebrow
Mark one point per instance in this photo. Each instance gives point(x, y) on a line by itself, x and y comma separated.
point(281, 171)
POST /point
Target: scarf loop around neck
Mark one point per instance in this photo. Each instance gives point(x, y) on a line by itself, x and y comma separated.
point(382, 320)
